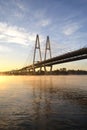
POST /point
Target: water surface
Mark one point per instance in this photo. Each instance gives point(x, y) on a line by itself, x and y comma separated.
point(43, 102)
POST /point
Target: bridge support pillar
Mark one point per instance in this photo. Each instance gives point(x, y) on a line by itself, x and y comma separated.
point(37, 46)
point(50, 70)
point(48, 48)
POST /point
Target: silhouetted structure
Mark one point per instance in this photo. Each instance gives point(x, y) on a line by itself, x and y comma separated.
point(37, 46)
point(48, 47)
point(67, 57)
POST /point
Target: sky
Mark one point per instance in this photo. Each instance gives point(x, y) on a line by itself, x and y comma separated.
point(64, 21)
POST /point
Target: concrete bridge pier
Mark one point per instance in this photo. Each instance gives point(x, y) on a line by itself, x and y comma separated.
point(50, 70)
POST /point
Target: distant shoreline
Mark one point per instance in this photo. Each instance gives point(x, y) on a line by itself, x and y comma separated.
point(62, 71)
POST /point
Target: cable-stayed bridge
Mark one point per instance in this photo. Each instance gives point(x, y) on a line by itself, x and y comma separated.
point(79, 54)
point(67, 57)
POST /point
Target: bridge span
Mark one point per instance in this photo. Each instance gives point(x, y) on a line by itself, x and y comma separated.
point(79, 54)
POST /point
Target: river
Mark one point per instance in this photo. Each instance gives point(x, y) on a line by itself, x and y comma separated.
point(43, 102)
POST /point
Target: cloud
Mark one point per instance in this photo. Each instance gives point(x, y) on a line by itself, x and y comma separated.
point(18, 15)
point(14, 34)
point(71, 28)
point(41, 19)
point(4, 49)
point(20, 5)
point(44, 22)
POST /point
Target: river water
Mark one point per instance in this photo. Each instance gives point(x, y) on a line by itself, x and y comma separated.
point(43, 102)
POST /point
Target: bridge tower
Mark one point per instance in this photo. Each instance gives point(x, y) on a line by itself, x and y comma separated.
point(48, 48)
point(37, 46)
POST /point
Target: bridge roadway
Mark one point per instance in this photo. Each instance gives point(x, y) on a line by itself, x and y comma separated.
point(67, 57)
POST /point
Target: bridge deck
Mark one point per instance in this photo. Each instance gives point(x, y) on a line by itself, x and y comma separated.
point(67, 57)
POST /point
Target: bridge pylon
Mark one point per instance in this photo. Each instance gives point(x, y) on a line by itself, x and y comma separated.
point(48, 48)
point(37, 46)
